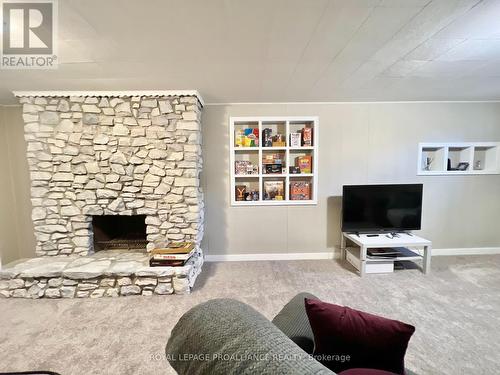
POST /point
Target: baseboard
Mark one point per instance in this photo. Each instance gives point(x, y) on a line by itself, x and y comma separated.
point(336, 255)
point(269, 256)
point(466, 251)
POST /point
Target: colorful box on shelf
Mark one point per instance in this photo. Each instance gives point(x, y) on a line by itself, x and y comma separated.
point(272, 159)
point(246, 137)
point(273, 169)
point(307, 136)
point(300, 190)
point(295, 139)
point(274, 190)
point(304, 163)
point(245, 168)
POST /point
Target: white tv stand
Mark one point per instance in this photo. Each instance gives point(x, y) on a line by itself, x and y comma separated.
point(359, 259)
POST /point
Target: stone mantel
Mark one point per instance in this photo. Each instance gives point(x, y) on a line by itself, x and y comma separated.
point(113, 153)
point(110, 94)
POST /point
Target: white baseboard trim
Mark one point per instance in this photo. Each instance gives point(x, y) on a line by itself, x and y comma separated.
point(336, 255)
point(466, 251)
point(269, 256)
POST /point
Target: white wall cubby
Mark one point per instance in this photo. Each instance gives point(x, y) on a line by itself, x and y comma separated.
point(255, 180)
point(475, 157)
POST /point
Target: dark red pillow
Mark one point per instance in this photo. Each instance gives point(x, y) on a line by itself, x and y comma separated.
point(365, 371)
point(345, 338)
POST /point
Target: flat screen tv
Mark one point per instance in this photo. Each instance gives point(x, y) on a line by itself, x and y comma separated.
point(381, 208)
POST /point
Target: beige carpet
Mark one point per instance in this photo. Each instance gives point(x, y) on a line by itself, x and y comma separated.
point(455, 310)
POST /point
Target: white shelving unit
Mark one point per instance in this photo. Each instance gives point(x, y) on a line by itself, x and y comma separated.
point(482, 158)
point(358, 255)
point(285, 126)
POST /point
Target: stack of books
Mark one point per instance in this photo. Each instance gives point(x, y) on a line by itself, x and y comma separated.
point(176, 254)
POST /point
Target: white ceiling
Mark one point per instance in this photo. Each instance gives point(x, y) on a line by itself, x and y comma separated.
point(277, 50)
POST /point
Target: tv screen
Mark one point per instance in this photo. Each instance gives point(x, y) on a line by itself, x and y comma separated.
point(379, 208)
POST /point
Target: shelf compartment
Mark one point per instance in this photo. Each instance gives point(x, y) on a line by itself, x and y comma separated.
point(273, 134)
point(306, 136)
point(460, 154)
point(300, 189)
point(273, 160)
point(246, 186)
point(246, 164)
point(274, 189)
point(485, 158)
point(243, 136)
point(433, 159)
point(303, 159)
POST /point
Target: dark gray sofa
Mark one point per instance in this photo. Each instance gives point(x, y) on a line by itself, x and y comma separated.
point(225, 336)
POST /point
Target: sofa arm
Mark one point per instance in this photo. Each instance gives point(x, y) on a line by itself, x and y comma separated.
point(224, 336)
point(292, 320)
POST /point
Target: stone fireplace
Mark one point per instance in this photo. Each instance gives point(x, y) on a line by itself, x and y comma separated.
point(104, 155)
point(112, 175)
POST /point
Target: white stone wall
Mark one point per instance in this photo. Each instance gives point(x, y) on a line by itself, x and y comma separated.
point(113, 156)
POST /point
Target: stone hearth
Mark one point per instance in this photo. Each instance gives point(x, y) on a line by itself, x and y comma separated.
point(104, 274)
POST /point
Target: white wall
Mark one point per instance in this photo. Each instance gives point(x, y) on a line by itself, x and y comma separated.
point(360, 143)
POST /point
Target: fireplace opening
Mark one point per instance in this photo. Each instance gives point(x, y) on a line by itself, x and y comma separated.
point(113, 232)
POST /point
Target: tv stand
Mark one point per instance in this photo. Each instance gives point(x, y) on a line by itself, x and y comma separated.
point(359, 259)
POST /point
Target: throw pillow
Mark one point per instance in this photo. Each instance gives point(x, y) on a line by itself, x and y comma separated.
point(345, 338)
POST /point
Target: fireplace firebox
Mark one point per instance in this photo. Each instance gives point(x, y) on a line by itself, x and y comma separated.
point(115, 232)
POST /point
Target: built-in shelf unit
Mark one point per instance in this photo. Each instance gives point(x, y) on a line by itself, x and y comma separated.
point(256, 181)
point(459, 158)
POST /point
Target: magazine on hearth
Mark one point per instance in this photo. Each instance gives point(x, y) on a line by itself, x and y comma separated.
point(157, 256)
point(175, 248)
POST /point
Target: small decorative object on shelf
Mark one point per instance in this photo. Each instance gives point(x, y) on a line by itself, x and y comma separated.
point(274, 190)
point(240, 192)
point(300, 190)
point(463, 166)
point(478, 165)
point(295, 139)
point(294, 170)
point(304, 163)
point(428, 163)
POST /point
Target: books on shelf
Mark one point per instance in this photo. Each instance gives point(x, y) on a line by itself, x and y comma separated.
point(175, 255)
point(383, 253)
